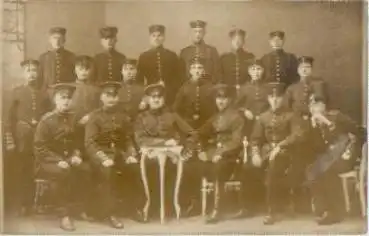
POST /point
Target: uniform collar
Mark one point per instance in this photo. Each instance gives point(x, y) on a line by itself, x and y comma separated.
point(158, 111)
point(201, 43)
point(109, 109)
point(238, 51)
point(62, 114)
point(278, 51)
point(159, 48)
point(59, 50)
point(278, 111)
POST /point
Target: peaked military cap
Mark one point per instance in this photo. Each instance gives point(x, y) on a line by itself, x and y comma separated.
point(157, 28)
point(158, 87)
point(224, 90)
point(58, 30)
point(237, 31)
point(130, 61)
point(254, 62)
point(110, 87)
point(28, 62)
point(275, 89)
point(108, 32)
point(277, 33)
point(197, 24)
point(306, 59)
point(63, 87)
point(197, 60)
point(84, 61)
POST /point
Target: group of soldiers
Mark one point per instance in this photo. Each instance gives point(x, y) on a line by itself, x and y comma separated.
point(81, 121)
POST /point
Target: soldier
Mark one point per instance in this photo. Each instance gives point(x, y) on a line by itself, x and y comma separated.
point(56, 65)
point(221, 139)
point(158, 126)
point(235, 64)
point(28, 104)
point(58, 156)
point(131, 94)
point(108, 64)
point(109, 144)
point(160, 65)
point(252, 101)
point(200, 49)
point(280, 66)
point(335, 139)
point(272, 138)
point(297, 98)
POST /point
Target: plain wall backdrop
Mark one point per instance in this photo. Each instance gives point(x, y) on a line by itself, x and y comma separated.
point(330, 32)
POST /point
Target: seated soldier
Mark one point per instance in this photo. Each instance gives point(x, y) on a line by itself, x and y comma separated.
point(109, 144)
point(336, 141)
point(272, 138)
point(221, 139)
point(158, 126)
point(58, 156)
point(28, 104)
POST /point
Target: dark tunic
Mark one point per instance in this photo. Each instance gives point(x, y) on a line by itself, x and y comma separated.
point(108, 66)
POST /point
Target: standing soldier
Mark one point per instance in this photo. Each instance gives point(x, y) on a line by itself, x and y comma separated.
point(200, 49)
point(252, 102)
point(280, 66)
point(160, 65)
point(108, 64)
point(56, 65)
point(273, 136)
point(58, 156)
point(109, 144)
point(28, 104)
point(297, 98)
point(131, 94)
point(194, 103)
point(221, 138)
point(235, 63)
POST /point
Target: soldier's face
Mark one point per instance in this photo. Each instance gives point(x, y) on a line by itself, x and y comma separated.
point(30, 72)
point(276, 42)
point(129, 72)
point(198, 34)
point(196, 71)
point(109, 43)
point(237, 42)
point(275, 102)
point(82, 73)
point(57, 40)
point(63, 100)
point(109, 99)
point(156, 100)
point(222, 102)
point(157, 39)
point(305, 69)
point(256, 72)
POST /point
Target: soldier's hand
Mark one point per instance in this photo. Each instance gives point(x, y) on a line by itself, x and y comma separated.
point(76, 160)
point(142, 105)
point(216, 158)
point(274, 152)
point(63, 164)
point(202, 156)
point(256, 160)
point(170, 142)
point(108, 163)
point(248, 114)
point(84, 119)
point(346, 155)
point(131, 160)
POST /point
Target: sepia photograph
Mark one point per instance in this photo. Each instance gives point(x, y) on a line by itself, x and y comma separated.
point(184, 117)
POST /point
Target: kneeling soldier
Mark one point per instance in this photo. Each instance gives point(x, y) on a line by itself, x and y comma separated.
point(109, 144)
point(221, 136)
point(57, 153)
point(273, 135)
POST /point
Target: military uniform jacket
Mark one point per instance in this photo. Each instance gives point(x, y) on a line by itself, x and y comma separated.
point(108, 66)
point(234, 67)
point(280, 66)
point(56, 67)
point(210, 53)
point(55, 137)
point(222, 134)
point(130, 97)
point(28, 104)
point(154, 127)
point(160, 64)
point(277, 128)
point(297, 95)
point(108, 134)
point(86, 98)
point(253, 96)
point(195, 103)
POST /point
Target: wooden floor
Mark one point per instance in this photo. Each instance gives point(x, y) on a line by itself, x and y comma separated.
point(298, 225)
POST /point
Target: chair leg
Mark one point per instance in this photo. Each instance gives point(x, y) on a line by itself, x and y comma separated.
point(346, 194)
point(204, 188)
point(361, 186)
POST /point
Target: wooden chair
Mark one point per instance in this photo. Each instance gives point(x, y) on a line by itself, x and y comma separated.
point(358, 176)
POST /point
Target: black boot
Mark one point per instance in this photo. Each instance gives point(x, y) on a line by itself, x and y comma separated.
point(329, 219)
point(67, 224)
point(270, 219)
point(214, 217)
point(115, 222)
